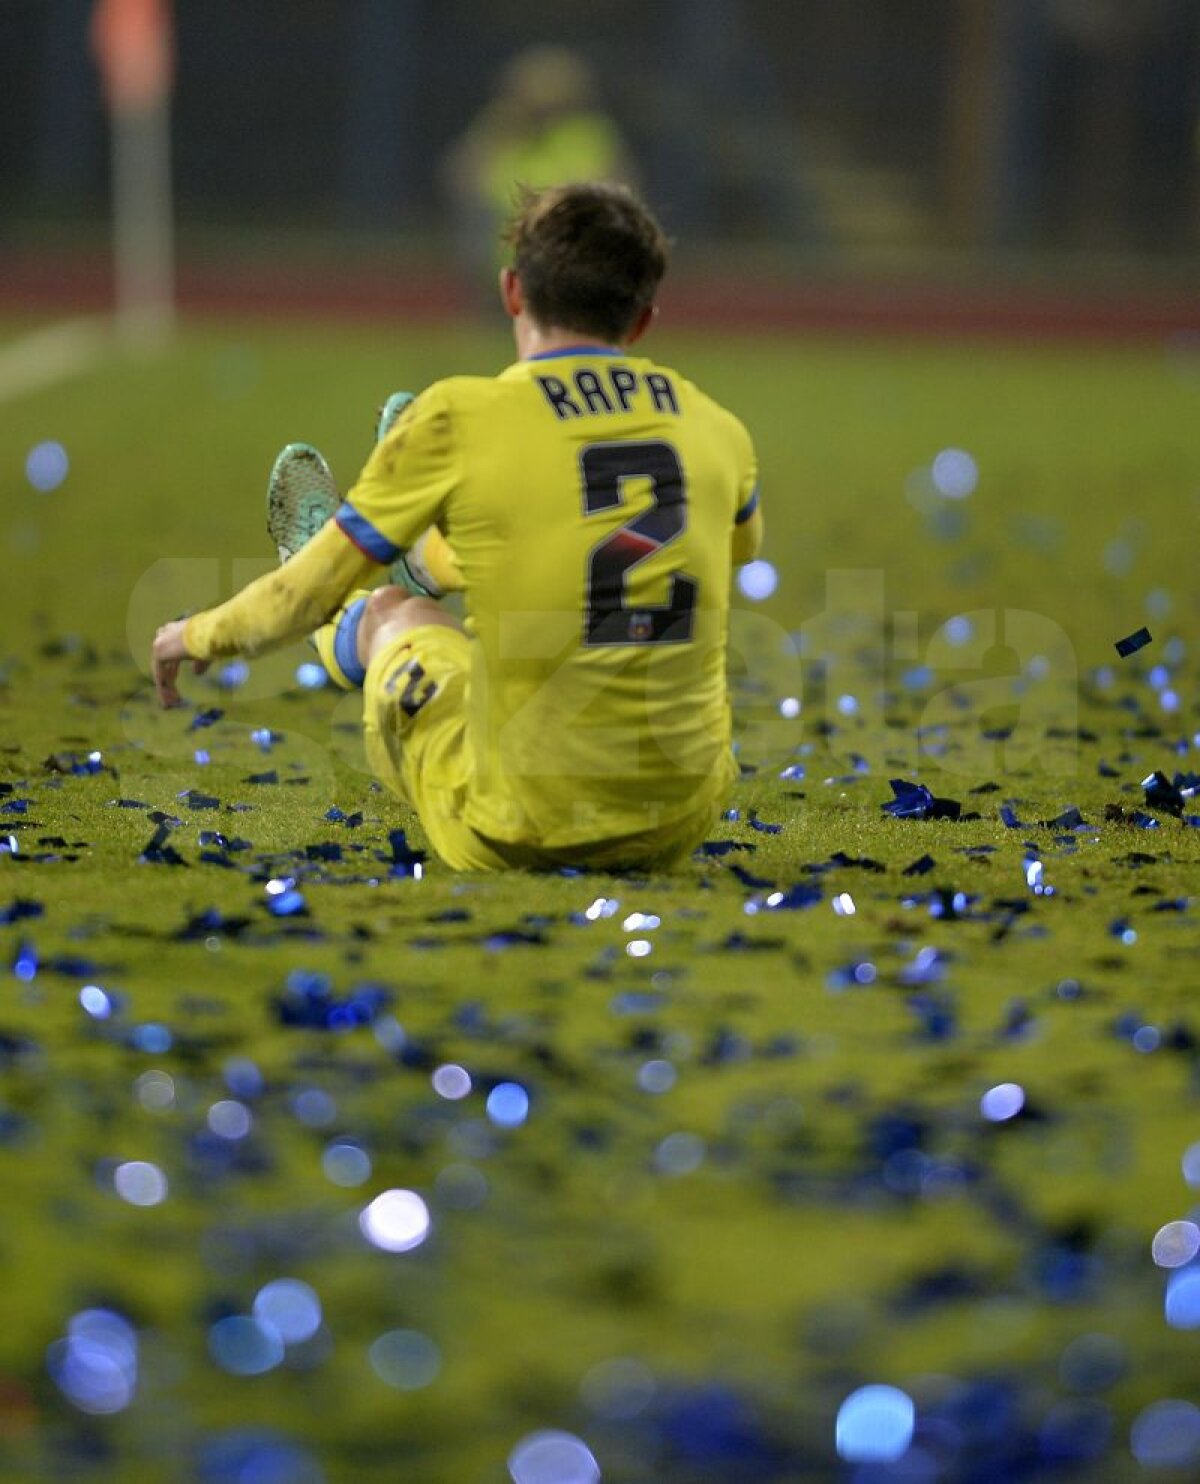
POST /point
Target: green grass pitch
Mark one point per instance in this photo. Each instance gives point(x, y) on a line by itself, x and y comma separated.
point(834, 1210)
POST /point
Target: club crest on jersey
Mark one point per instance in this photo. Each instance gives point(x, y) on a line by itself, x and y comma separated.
point(641, 626)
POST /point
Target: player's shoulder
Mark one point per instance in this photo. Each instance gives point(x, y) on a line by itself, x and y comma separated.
point(703, 404)
point(453, 393)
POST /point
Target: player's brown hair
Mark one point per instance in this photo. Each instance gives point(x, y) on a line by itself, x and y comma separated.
point(590, 257)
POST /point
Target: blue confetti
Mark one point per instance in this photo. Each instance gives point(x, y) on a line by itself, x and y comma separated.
point(1133, 642)
point(47, 466)
point(308, 1000)
point(405, 861)
point(157, 852)
point(284, 900)
point(20, 909)
point(761, 825)
point(915, 801)
point(796, 899)
point(25, 962)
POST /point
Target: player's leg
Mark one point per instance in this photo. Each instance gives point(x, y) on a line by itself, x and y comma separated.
point(390, 612)
point(302, 496)
point(418, 659)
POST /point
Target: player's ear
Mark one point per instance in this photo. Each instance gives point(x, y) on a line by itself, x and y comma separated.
point(512, 296)
point(642, 323)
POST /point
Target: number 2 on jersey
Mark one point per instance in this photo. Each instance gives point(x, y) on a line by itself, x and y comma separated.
point(607, 618)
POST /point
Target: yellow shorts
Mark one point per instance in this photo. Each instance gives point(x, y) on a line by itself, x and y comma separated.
point(415, 728)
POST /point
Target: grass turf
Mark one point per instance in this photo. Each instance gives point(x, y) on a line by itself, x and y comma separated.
point(837, 1211)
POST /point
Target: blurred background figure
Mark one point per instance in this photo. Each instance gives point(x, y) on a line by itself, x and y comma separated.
point(543, 127)
point(989, 145)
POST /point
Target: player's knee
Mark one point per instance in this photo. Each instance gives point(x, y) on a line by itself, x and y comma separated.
point(389, 611)
point(383, 605)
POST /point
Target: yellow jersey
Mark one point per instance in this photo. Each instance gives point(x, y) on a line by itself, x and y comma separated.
point(591, 499)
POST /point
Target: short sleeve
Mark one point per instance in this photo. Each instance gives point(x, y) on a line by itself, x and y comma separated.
point(406, 482)
point(747, 462)
point(747, 516)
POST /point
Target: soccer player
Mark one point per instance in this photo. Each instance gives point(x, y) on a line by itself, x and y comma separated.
point(590, 504)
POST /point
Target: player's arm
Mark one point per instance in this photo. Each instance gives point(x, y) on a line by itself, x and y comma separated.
point(400, 494)
point(280, 606)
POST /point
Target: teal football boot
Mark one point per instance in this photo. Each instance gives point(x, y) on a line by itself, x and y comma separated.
point(301, 497)
point(390, 411)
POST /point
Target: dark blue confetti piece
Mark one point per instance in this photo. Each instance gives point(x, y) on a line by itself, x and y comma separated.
point(840, 860)
point(194, 799)
point(927, 967)
point(920, 867)
point(405, 859)
point(16, 806)
point(73, 764)
point(25, 961)
point(269, 777)
point(206, 718)
point(717, 848)
point(935, 1013)
point(157, 852)
point(513, 938)
point(713, 1430)
point(223, 842)
point(308, 1000)
point(739, 943)
point(284, 900)
point(748, 878)
point(1019, 1021)
point(761, 825)
point(1008, 817)
point(20, 909)
point(127, 804)
point(915, 801)
point(212, 923)
point(797, 898)
point(1161, 793)
point(338, 816)
point(1132, 643)
point(946, 904)
point(858, 973)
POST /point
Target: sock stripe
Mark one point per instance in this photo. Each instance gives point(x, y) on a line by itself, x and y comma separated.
point(345, 643)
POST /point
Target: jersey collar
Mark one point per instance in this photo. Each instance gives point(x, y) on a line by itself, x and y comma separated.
point(576, 350)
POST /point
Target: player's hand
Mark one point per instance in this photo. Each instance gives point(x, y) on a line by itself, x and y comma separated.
point(168, 653)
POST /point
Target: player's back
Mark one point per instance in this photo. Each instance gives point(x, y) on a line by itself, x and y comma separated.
point(591, 512)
